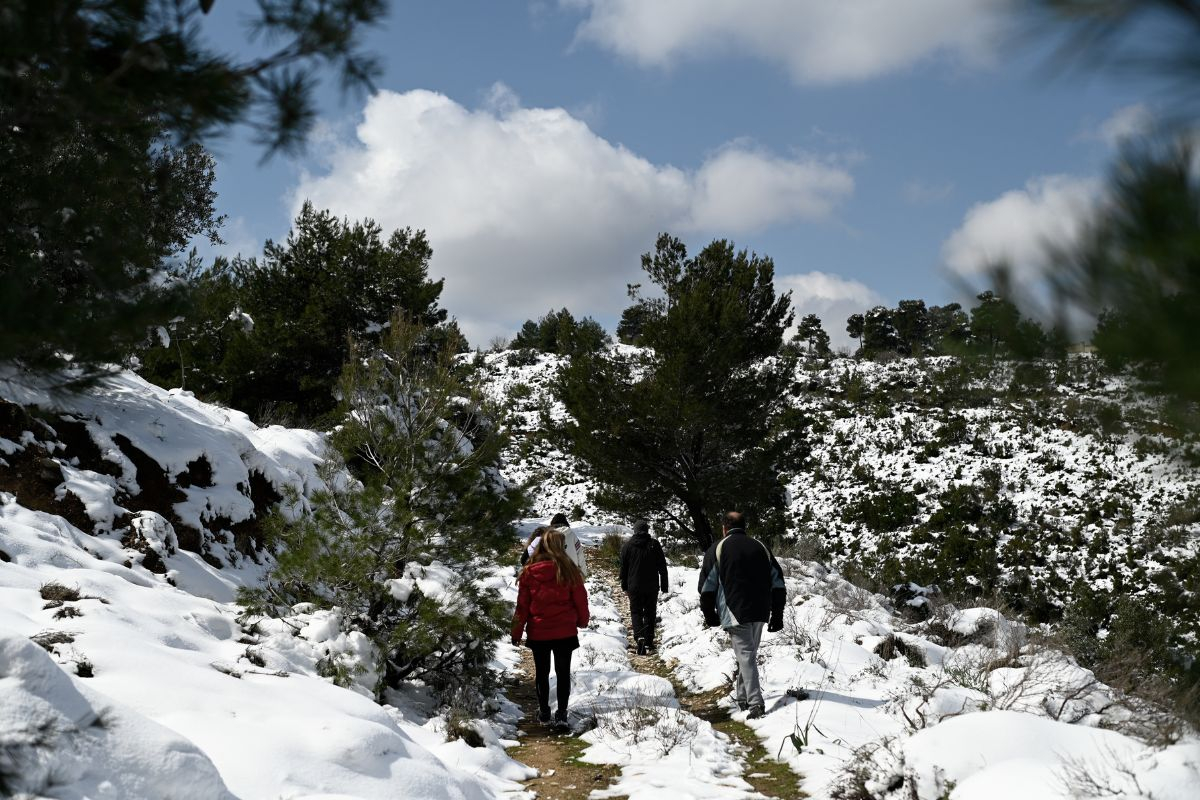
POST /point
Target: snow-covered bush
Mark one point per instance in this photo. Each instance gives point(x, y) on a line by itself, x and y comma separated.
point(401, 543)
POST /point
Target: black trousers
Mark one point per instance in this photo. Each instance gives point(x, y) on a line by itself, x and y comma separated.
point(561, 649)
point(643, 609)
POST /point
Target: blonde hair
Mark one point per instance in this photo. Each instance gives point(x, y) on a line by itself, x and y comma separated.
point(552, 547)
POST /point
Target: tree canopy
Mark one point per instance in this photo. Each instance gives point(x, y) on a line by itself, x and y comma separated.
point(697, 423)
point(103, 105)
point(559, 332)
point(270, 336)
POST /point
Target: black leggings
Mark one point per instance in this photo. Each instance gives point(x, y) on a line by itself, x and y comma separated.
point(561, 648)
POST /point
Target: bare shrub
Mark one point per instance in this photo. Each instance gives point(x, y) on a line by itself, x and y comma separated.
point(47, 639)
point(610, 547)
point(893, 646)
point(808, 545)
point(844, 599)
point(872, 766)
point(646, 720)
point(56, 592)
point(1110, 776)
point(915, 702)
point(464, 708)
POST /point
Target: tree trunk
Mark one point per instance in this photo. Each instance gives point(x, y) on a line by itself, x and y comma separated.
point(702, 532)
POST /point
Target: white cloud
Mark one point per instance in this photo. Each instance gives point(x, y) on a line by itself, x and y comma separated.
point(816, 41)
point(746, 190)
point(528, 209)
point(832, 298)
point(1016, 227)
point(1125, 123)
point(238, 237)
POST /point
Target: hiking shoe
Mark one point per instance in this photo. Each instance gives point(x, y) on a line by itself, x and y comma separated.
point(544, 715)
point(742, 705)
point(560, 719)
point(641, 647)
point(756, 712)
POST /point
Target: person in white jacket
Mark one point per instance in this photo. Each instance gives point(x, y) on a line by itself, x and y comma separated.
point(574, 547)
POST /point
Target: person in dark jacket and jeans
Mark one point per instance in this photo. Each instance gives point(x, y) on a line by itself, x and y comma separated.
point(643, 574)
point(741, 589)
point(551, 605)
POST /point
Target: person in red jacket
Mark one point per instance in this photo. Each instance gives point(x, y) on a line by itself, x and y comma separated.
point(551, 605)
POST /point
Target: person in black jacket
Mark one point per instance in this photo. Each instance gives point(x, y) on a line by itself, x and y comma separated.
point(643, 573)
point(741, 589)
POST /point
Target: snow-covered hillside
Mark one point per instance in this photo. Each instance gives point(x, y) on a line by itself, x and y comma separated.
point(1020, 484)
point(159, 691)
point(1099, 489)
point(128, 521)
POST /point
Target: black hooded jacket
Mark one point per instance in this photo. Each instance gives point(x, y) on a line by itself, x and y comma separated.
point(643, 565)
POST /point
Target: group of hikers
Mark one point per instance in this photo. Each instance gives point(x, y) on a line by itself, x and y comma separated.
point(741, 590)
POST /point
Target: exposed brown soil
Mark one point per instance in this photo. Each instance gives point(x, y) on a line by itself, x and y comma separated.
point(555, 755)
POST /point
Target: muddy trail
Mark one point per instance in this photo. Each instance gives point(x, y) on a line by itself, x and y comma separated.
point(553, 753)
point(556, 754)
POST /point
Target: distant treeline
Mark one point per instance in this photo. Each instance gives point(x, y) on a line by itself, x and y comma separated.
point(994, 326)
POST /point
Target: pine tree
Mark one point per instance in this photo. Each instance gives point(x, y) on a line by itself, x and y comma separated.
point(102, 105)
point(559, 332)
point(811, 332)
point(698, 422)
point(912, 322)
point(633, 320)
point(401, 548)
point(277, 331)
point(1137, 266)
point(879, 331)
point(854, 327)
point(949, 328)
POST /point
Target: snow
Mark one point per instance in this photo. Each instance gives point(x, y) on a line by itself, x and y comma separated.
point(195, 701)
point(635, 720)
point(153, 648)
point(175, 430)
point(933, 723)
point(1005, 754)
point(64, 740)
point(193, 714)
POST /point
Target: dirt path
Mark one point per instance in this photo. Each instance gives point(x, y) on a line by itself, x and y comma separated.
point(768, 776)
point(555, 755)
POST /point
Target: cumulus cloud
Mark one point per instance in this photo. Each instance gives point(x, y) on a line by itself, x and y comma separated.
point(528, 209)
point(832, 298)
point(816, 41)
point(746, 190)
point(1015, 228)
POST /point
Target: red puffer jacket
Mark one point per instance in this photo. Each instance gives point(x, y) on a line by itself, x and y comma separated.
point(550, 609)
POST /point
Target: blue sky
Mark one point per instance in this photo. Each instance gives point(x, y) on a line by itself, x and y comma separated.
point(872, 148)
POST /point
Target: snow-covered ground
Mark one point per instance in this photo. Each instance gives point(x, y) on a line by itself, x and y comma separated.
point(634, 720)
point(119, 680)
point(146, 684)
point(975, 711)
point(966, 705)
